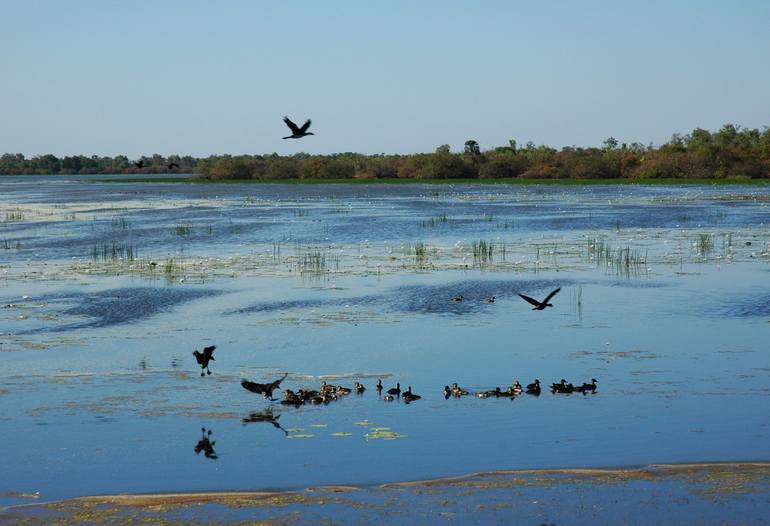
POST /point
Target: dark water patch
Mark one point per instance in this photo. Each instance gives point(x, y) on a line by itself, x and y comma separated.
point(751, 306)
point(118, 306)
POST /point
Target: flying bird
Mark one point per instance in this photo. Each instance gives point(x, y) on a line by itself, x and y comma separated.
point(263, 389)
point(540, 305)
point(139, 164)
point(204, 357)
point(296, 131)
point(171, 166)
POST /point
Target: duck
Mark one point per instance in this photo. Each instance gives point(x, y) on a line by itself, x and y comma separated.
point(517, 388)
point(395, 390)
point(555, 387)
point(563, 387)
point(458, 391)
point(326, 388)
point(487, 394)
point(447, 392)
point(587, 387)
point(359, 388)
point(388, 398)
point(338, 389)
point(540, 305)
point(409, 396)
point(459, 297)
point(306, 394)
point(534, 388)
point(379, 385)
point(490, 299)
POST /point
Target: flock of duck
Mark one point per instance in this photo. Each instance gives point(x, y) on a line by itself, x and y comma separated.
point(328, 393)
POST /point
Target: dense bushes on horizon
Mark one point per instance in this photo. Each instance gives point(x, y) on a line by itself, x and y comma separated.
point(729, 152)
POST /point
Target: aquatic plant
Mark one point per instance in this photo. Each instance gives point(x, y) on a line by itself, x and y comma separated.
point(119, 223)
point(483, 251)
point(434, 221)
point(8, 244)
point(625, 261)
point(183, 230)
point(704, 244)
point(14, 215)
point(113, 251)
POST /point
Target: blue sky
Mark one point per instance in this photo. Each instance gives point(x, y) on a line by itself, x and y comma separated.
point(194, 77)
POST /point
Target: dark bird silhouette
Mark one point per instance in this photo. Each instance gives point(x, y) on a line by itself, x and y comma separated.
point(379, 386)
point(540, 305)
point(360, 388)
point(204, 357)
point(265, 416)
point(139, 164)
point(587, 387)
point(296, 131)
point(490, 299)
point(409, 396)
point(534, 388)
point(395, 390)
point(264, 389)
point(206, 445)
point(171, 166)
point(459, 297)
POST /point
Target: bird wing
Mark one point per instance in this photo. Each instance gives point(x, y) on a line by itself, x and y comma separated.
point(533, 301)
point(208, 351)
point(293, 127)
point(551, 295)
point(305, 126)
point(252, 386)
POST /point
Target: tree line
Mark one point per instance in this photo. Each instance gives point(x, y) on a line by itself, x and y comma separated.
point(729, 152)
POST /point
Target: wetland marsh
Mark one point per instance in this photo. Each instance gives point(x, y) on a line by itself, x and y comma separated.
point(106, 289)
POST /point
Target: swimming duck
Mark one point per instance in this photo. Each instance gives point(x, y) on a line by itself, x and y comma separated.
point(517, 388)
point(388, 398)
point(490, 299)
point(534, 388)
point(562, 384)
point(395, 390)
point(339, 390)
point(359, 388)
point(447, 392)
point(409, 396)
point(458, 391)
point(379, 385)
point(587, 387)
point(459, 297)
point(487, 394)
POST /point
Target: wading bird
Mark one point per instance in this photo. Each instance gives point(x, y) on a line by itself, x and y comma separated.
point(204, 357)
point(264, 389)
point(540, 305)
point(296, 131)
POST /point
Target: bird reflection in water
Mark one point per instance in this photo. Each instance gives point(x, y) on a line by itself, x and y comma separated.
point(206, 445)
point(265, 416)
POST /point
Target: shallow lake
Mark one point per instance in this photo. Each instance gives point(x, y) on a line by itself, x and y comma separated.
point(107, 288)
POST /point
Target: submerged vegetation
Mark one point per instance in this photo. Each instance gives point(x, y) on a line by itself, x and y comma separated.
point(731, 152)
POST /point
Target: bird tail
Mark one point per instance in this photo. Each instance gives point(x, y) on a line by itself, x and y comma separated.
point(289, 137)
